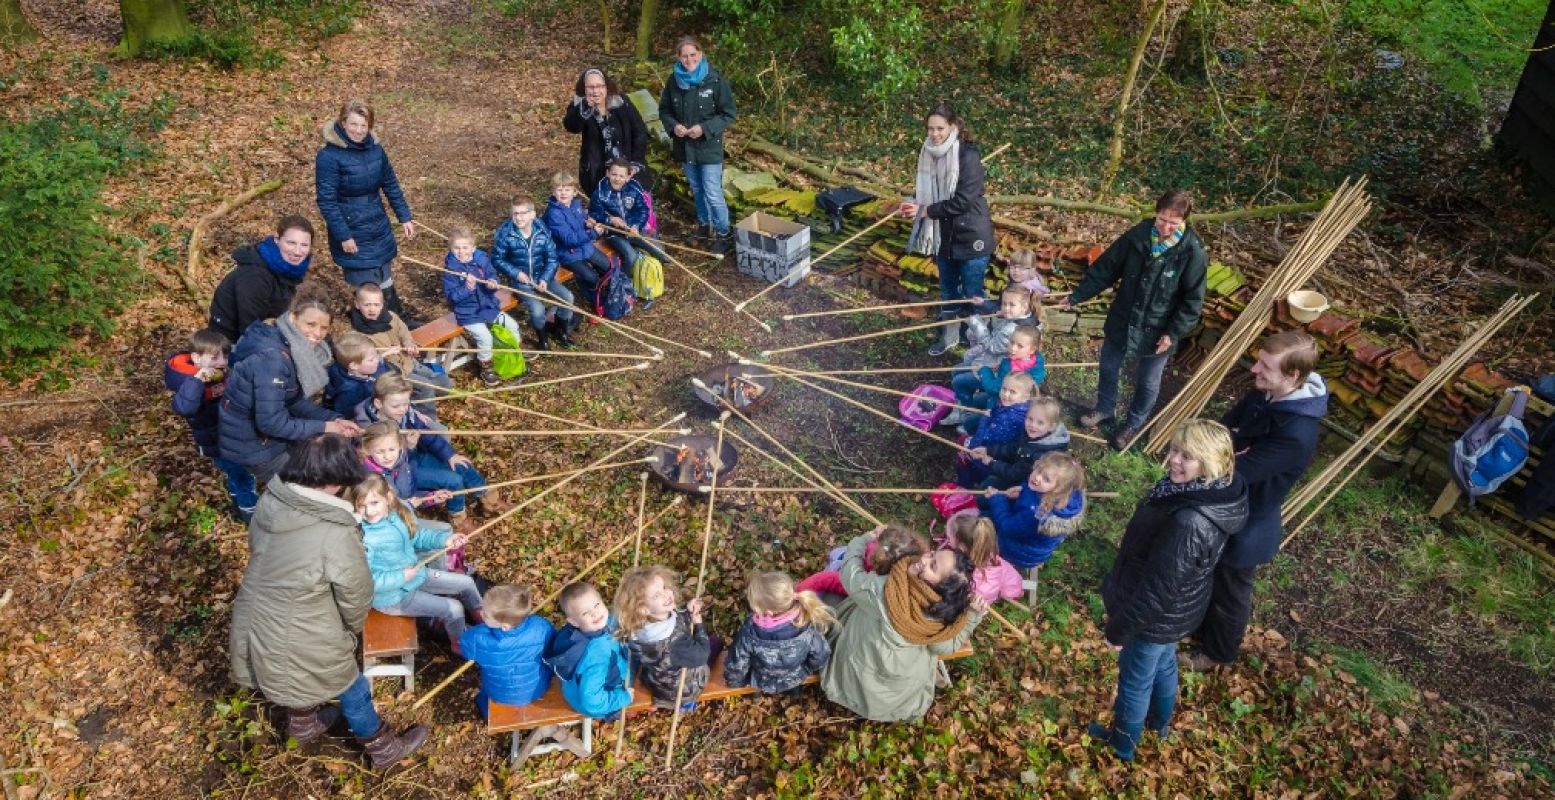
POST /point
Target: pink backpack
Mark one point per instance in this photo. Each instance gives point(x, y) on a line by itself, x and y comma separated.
point(949, 505)
point(926, 415)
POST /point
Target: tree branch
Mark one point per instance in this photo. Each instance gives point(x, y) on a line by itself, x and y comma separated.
point(197, 236)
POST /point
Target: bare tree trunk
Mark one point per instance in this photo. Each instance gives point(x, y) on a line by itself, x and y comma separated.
point(645, 21)
point(151, 21)
point(1198, 32)
point(1007, 38)
point(604, 14)
point(14, 27)
point(1115, 160)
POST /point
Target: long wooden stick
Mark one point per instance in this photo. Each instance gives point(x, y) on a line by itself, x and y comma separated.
point(546, 353)
point(862, 336)
point(846, 501)
point(662, 243)
point(891, 370)
point(465, 667)
point(889, 307)
point(434, 555)
point(714, 289)
point(793, 373)
point(430, 229)
point(802, 266)
point(554, 475)
point(707, 538)
point(881, 414)
point(498, 432)
point(551, 381)
point(520, 409)
point(867, 490)
point(637, 554)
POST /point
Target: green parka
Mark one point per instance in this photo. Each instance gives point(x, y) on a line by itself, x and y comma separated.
point(305, 595)
point(709, 104)
point(1155, 295)
point(873, 671)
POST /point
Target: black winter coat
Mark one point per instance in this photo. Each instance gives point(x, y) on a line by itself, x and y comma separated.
point(1275, 443)
point(659, 663)
point(775, 660)
point(263, 408)
point(1159, 586)
point(1012, 462)
point(1155, 295)
point(709, 104)
point(626, 129)
point(965, 224)
point(249, 293)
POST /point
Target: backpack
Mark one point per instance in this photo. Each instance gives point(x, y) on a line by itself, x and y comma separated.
point(923, 415)
point(506, 360)
point(651, 227)
point(1492, 450)
point(837, 201)
point(647, 275)
point(614, 298)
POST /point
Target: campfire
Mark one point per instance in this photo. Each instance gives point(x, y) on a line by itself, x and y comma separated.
point(744, 386)
point(690, 462)
point(737, 390)
point(694, 465)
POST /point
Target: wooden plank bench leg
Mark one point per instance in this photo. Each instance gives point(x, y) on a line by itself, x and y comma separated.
point(1030, 585)
point(550, 738)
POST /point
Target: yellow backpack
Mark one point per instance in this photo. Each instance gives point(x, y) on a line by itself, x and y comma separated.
point(647, 275)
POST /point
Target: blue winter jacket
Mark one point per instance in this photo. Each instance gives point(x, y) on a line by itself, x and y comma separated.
point(1028, 535)
point(348, 178)
point(196, 401)
point(511, 670)
point(478, 305)
point(574, 240)
point(346, 391)
point(629, 203)
point(390, 551)
point(263, 408)
point(1006, 424)
point(514, 253)
point(993, 380)
point(1275, 443)
point(438, 447)
point(1012, 462)
point(592, 667)
point(401, 474)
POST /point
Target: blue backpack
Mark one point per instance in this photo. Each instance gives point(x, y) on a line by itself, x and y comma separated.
point(1492, 450)
point(615, 295)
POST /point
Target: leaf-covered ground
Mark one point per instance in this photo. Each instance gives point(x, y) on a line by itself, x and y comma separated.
point(121, 569)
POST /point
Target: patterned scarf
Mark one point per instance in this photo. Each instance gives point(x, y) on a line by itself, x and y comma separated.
point(939, 168)
point(906, 596)
point(1165, 488)
point(310, 360)
point(1159, 246)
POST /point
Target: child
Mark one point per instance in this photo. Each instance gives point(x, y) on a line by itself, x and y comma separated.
point(574, 234)
point(1023, 273)
point(197, 376)
point(1024, 355)
point(1003, 425)
point(1033, 520)
point(396, 345)
point(400, 586)
point(783, 641)
point(620, 202)
point(994, 578)
point(508, 648)
point(881, 554)
point(586, 656)
point(991, 338)
point(1004, 465)
point(384, 452)
point(524, 254)
point(357, 365)
point(472, 292)
point(663, 639)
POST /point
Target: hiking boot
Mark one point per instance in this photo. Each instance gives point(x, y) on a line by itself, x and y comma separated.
point(558, 329)
point(573, 323)
point(307, 725)
point(1091, 419)
point(949, 338)
point(385, 749)
point(493, 505)
point(543, 334)
point(1198, 661)
point(1122, 438)
point(461, 522)
point(723, 242)
point(488, 375)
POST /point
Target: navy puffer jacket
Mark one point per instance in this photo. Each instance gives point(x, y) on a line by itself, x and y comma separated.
point(478, 305)
point(574, 240)
point(263, 408)
point(511, 670)
point(348, 179)
point(534, 255)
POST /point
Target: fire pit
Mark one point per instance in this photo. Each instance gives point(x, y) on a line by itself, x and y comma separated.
point(690, 463)
point(745, 386)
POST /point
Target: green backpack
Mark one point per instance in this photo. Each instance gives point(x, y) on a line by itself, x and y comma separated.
point(506, 360)
point(647, 276)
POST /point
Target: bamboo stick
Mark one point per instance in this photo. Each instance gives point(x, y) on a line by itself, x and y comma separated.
point(522, 410)
point(888, 307)
point(637, 554)
point(714, 289)
point(552, 381)
point(802, 266)
point(788, 373)
point(429, 229)
point(663, 243)
point(891, 370)
point(549, 476)
point(847, 502)
point(862, 336)
point(545, 353)
point(535, 432)
point(869, 490)
point(877, 412)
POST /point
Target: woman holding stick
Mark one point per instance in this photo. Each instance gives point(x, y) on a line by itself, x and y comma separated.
point(609, 127)
point(893, 628)
point(951, 221)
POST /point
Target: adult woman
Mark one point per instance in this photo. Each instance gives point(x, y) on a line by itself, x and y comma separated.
point(893, 627)
point(265, 279)
point(951, 221)
point(276, 371)
point(349, 174)
point(695, 107)
point(1160, 582)
point(610, 127)
point(304, 598)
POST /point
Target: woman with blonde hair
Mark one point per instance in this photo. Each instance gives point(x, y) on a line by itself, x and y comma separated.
point(1159, 586)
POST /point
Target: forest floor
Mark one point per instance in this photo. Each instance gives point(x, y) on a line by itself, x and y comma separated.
point(1369, 673)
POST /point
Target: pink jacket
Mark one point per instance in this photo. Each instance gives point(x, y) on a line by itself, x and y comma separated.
point(999, 581)
point(830, 581)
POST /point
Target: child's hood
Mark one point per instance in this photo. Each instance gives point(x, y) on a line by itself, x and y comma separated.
point(781, 633)
point(1058, 437)
point(564, 653)
point(390, 525)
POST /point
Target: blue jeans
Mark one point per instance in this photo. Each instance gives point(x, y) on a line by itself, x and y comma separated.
point(432, 474)
point(586, 275)
point(707, 189)
point(537, 307)
point(242, 489)
point(960, 280)
point(1147, 381)
point(356, 705)
point(967, 387)
point(1147, 693)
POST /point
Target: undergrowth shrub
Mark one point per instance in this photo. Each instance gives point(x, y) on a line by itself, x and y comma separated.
point(229, 35)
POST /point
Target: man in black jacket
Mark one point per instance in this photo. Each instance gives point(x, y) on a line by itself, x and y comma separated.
point(1159, 267)
point(1275, 428)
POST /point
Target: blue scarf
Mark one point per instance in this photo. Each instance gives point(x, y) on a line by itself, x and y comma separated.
point(690, 80)
point(271, 253)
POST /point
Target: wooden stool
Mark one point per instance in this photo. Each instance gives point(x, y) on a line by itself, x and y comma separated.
point(387, 636)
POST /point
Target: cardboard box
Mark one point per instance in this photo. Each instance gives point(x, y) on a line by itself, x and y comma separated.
point(771, 248)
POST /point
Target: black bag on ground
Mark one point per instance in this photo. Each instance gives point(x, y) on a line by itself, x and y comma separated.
point(836, 202)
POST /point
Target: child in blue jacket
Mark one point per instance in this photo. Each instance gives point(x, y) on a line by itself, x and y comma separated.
point(357, 366)
point(470, 284)
point(620, 202)
point(508, 649)
point(574, 235)
point(525, 255)
point(1009, 464)
point(978, 388)
point(1033, 520)
point(586, 655)
point(1003, 424)
point(197, 377)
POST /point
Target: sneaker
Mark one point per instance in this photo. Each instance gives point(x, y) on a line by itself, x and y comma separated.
point(1092, 419)
point(955, 417)
point(645, 305)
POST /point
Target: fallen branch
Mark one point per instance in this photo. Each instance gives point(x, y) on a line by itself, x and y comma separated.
point(197, 236)
point(1115, 156)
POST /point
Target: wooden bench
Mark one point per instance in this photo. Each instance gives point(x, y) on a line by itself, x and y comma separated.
point(445, 331)
point(550, 718)
point(388, 636)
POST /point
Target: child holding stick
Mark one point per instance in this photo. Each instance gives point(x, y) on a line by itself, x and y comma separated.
point(993, 578)
point(663, 639)
point(1003, 425)
point(893, 544)
point(357, 365)
point(395, 343)
point(618, 201)
point(524, 254)
point(385, 453)
point(508, 648)
point(1008, 464)
point(585, 654)
point(574, 234)
point(1033, 520)
point(977, 389)
point(470, 284)
point(783, 641)
point(990, 338)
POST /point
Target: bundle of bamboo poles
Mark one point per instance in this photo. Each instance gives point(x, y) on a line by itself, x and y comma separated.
point(1344, 211)
point(1305, 502)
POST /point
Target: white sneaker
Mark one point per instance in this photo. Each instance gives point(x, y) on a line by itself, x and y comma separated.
point(955, 417)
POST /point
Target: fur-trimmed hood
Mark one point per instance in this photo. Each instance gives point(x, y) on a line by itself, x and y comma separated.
point(335, 136)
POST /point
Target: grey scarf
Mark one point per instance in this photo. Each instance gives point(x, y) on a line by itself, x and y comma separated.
point(939, 168)
point(311, 360)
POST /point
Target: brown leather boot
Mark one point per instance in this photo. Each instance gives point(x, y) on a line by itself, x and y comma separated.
point(461, 522)
point(488, 375)
point(307, 725)
point(386, 749)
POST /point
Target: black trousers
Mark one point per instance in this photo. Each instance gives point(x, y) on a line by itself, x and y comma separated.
point(1230, 609)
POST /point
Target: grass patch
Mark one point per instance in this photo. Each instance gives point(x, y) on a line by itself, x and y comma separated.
point(1391, 692)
